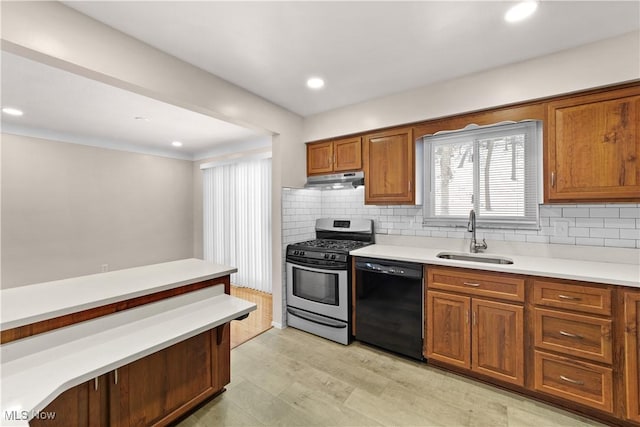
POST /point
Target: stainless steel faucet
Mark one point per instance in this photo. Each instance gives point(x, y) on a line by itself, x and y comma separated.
point(474, 247)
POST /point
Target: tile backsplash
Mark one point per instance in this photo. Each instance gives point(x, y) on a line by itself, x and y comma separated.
point(606, 225)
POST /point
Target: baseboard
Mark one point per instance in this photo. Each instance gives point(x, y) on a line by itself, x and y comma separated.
point(277, 325)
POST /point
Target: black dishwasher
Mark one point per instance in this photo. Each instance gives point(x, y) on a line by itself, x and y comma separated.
point(389, 301)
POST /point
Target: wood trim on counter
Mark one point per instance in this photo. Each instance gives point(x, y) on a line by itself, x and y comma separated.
point(81, 316)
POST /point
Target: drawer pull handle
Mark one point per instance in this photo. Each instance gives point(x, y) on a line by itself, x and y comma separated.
point(569, 380)
point(570, 298)
point(570, 335)
point(475, 285)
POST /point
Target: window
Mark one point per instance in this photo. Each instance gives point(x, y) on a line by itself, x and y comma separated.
point(492, 169)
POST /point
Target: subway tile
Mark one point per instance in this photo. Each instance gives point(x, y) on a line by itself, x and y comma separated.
point(620, 243)
point(547, 211)
point(515, 237)
point(456, 235)
point(609, 233)
point(578, 232)
point(569, 221)
point(630, 233)
point(439, 234)
point(575, 212)
point(630, 213)
point(494, 236)
point(590, 222)
point(586, 241)
point(604, 212)
point(409, 232)
point(545, 222)
point(620, 223)
point(562, 240)
point(537, 239)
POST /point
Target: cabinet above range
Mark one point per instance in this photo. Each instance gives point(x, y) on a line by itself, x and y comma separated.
point(340, 155)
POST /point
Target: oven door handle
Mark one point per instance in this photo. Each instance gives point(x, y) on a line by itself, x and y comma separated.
point(316, 319)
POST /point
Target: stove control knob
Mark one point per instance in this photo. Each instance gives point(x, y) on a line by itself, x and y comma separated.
point(296, 252)
point(301, 253)
point(326, 256)
point(333, 257)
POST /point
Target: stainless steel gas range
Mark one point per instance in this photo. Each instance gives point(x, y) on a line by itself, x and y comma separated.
point(319, 277)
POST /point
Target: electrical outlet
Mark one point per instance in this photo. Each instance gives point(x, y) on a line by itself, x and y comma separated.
point(104, 268)
point(561, 228)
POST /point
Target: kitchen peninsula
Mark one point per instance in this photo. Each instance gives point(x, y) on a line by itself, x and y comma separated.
point(99, 348)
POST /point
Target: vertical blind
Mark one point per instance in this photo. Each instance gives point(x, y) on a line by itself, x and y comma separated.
point(493, 170)
point(237, 220)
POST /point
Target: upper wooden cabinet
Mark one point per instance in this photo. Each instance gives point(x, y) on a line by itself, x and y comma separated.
point(592, 149)
point(389, 167)
point(334, 156)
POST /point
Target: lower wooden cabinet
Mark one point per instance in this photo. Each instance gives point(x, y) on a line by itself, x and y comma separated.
point(578, 381)
point(472, 333)
point(448, 332)
point(632, 354)
point(497, 340)
point(152, 391)
point(79, 406)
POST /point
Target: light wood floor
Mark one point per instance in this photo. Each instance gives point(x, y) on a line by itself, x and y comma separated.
point(291, 378)
point(258, 320)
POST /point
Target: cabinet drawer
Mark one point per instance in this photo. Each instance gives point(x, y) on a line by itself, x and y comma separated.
point(574, 334)
point(578, 297)
point(494, 285)
point(579, 382)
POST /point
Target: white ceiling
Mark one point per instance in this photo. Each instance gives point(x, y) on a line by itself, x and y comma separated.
point(64, 106)
point(362, 49)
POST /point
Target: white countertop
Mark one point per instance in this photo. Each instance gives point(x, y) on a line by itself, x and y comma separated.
point(63, 358)
point(33, 303)
point(589, 271)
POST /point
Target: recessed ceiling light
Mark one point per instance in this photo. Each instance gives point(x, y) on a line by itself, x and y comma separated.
point(521, 11)
point(176, 144)
point(315, 83)
point(12, 111)
point(143, 119)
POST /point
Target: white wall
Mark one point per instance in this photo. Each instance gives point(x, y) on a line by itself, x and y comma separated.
point(67, 209)
point(603, 63)
point(59, 36)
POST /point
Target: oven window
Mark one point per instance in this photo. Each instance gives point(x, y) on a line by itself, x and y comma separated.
point(315, 286)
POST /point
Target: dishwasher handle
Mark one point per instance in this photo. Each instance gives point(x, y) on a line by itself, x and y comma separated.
point(412, 271)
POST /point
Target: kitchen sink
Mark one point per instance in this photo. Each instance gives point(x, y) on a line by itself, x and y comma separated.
point(474, 258)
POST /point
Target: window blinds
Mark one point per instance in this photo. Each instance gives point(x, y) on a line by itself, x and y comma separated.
point(493, 170)
point(237, 220)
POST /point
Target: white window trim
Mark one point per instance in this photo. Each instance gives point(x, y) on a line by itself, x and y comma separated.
point(534, 155)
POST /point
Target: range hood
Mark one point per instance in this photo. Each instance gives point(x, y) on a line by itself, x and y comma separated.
point(336, 181)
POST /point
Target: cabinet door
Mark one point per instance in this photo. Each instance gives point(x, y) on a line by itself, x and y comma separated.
point(497, 341)
point(83, 405)
point(389, 168)
point(593, 147)
point(632, 354)
point(448, 333)
point(347, 154)
point(319, 158)
point(159, 388)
